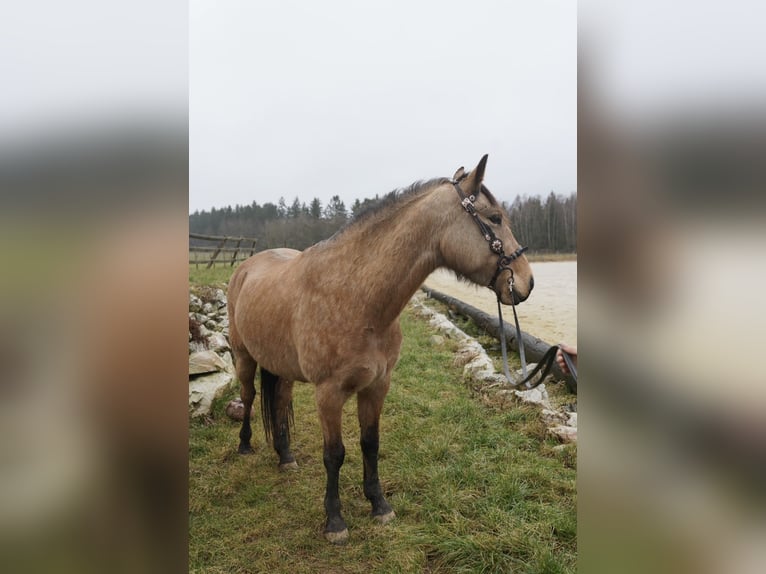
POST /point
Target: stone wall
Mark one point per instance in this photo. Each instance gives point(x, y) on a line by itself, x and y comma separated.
point(211, 369)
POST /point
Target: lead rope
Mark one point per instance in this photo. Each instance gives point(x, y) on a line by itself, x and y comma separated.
point(519, 340)
point(546, 362)
point(522, 356)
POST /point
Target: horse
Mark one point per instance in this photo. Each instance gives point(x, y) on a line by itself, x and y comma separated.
point(329, 315)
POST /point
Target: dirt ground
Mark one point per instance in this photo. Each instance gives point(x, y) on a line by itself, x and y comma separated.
point(550, 313)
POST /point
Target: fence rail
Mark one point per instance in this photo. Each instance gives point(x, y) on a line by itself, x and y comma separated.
point(241, 249)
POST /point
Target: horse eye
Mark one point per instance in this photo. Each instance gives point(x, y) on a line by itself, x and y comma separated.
point(496, 219)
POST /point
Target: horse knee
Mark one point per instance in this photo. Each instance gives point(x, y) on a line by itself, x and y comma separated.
point(334, 455)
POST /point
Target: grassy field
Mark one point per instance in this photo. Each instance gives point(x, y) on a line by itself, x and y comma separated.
point(476, 488)
point(216, 275)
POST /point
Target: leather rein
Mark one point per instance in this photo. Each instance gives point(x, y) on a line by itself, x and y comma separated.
point(503, 264)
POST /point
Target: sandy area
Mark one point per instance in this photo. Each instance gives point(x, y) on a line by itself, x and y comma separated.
point(550, 313)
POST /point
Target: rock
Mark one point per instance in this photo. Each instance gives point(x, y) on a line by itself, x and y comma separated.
point(203, 390)
point(220, 298)
point(229, 361)
point(552, 417)
point(205, 362)
point(235, 410)
point(196, 346)
point(538, 396)
point(195, 304)
point(564, 433)
point(217, 342)
point(437, 340)
point(207, 308)
point(210, 324)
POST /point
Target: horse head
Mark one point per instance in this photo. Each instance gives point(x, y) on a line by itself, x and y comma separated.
point(471, 246)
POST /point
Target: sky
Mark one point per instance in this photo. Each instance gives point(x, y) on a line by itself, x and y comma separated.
point(315, 99)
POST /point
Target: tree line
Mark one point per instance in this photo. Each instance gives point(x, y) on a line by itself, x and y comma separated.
point(546, 226)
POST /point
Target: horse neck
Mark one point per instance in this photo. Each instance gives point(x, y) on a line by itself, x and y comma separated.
point(389, 259)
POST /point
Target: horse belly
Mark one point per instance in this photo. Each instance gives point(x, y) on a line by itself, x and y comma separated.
point(269, 345)
point(368, 360)
point(264, 316)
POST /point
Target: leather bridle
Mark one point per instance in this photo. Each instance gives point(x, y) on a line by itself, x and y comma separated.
point(503, 264)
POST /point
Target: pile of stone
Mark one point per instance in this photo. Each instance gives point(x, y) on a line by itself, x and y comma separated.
point(211, 369)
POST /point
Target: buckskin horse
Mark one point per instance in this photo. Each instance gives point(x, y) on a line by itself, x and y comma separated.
point(330, 314)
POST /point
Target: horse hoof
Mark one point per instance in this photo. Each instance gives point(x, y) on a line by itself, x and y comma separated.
point(245, 450)
point(337, 537)
point(288, 466)
point(385, 518)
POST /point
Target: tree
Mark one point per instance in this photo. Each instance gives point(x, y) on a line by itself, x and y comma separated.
point(295, 209)
point(282, 207)
point(315, 210)
point(549, 225)
point(336, 209)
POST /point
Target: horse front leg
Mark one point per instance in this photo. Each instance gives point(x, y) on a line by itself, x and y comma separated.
point(369, 406)
point(330, 402)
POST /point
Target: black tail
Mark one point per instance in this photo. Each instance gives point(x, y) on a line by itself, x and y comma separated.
point(269, 414)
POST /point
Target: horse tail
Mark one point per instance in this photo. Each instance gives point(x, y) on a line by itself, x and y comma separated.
point(273, 424)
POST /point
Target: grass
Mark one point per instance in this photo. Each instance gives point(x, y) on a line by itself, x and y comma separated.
point(215, 276)
point(476, 488)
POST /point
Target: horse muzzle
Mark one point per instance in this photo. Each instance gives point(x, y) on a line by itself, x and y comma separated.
point(514, 294)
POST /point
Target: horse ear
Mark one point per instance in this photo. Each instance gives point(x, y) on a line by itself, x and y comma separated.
point(459, 173)
point(477, 175)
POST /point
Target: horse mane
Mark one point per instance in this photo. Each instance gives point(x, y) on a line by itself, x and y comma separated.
point(378, 209)
point(381, 208)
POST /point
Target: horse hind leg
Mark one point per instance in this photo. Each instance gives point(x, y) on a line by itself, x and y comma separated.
point(277, 410)
point(245, 366)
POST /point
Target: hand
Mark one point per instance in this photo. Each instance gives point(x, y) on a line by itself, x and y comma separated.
point(572, 351)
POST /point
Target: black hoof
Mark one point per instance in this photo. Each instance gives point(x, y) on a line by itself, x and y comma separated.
point(245, 449)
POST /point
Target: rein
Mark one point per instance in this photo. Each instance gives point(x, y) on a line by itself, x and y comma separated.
point(503, 264)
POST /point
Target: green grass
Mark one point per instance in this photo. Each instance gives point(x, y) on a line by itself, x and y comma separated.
point(476, 488)
point(216, 275)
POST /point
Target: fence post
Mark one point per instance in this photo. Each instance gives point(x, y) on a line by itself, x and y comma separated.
point(236, 251)
point(216, 252)
point(220, 250)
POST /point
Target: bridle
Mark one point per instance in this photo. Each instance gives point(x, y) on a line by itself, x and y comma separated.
point(504, 263)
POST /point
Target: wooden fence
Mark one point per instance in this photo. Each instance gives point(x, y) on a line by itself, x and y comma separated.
point(218, 252)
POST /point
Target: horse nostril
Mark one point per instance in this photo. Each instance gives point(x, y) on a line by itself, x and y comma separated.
point(531, 283)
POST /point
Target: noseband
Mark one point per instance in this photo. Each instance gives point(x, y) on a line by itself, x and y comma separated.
point(503, 263)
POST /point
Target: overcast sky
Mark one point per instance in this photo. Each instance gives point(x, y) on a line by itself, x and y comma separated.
point(314, 99)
